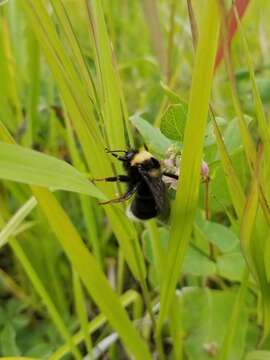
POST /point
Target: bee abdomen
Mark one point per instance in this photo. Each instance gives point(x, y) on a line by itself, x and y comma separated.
point(144, 208)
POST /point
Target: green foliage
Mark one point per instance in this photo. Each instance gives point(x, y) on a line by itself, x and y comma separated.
point(72, 73)
point(173, 122)
point(34, 168)
point(152, 136)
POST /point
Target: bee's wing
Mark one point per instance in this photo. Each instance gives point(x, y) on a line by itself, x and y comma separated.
point(157, 188)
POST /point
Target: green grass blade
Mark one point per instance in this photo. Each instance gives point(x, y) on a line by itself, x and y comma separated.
point(234, 185)
point(81, 312)
point(10, 228)
point(157, 249)
point(246, 137)
point(130, 297)
point(187, 193)
point(109, 85)
point(253, 240)
point(72, 91)
point(56, 317)
point(224, 353)
point(81, 112)
point(33, 167)
point(262, 123)
point(86, 202)
point(88, 269)
point(34, 84)
point(78, 58)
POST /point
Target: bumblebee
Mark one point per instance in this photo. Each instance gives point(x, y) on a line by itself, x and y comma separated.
point(144, 181)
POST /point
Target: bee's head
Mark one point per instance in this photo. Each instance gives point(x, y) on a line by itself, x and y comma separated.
point(136, 158)
point(127, 156)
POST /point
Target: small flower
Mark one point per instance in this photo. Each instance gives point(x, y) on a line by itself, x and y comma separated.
point(204, 169)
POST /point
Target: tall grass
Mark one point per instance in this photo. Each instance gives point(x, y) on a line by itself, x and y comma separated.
point(72, 72)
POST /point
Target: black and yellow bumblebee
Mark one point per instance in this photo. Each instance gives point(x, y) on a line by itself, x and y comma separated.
point(144, 180)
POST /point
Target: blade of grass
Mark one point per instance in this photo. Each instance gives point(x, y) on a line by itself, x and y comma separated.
point(233, 183)
point(246, 137)
point(56, 317)
point(130, 297)
point(263, 127)
point(187, 193)
point(64, 20)
point(83, 119)
point(86, 203)
point(34, 83)
point(88, 269)
point(81, 312)
point(110, 96)
point(16, 220)
point(37, 284)
point(158, 251)
point(153, 22)
point(233, 322)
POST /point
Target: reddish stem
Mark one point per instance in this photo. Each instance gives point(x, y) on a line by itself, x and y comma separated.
point(241, 6)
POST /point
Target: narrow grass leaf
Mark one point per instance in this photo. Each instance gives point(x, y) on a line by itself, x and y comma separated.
point(253, 242)
point(90, 273)
point(127, 299)
point(78, 58)
point(81, 312)
point(187, 193)
point(111, 97)
point(80, 110)
point(54, 314)
point(263, 127)
point(16, 220)
point(234, 320)
point(234, 185)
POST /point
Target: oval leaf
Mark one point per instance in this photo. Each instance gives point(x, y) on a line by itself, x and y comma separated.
point(35, 168)
point(173, 122)
point(217, 234)
point(152, 136)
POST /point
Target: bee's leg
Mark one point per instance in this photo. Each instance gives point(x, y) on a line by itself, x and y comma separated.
point(118, 157)
point(173, 176)
point(122, 198)
point(115, 155)
point(121, 178)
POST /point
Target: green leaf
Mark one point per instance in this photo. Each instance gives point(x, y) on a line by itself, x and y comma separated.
point(231, 266)
point(8, 341)
point(41, 351)
point(203, 310)
point(197, 263)
point(35, 168)
point(152, 136)
point(173, 122)
point(217, 234)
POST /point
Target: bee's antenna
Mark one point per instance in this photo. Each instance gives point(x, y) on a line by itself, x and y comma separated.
point(145, 146)
point(114, 151)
